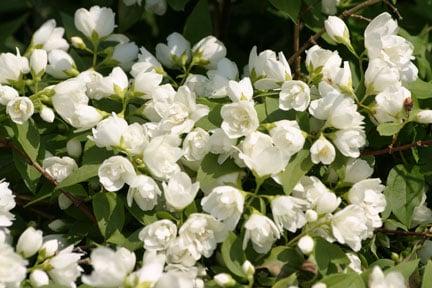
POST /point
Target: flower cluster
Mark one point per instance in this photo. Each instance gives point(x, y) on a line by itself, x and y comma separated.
point(204, 151)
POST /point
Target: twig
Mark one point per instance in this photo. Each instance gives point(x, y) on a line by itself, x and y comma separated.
point(394, 9)
point(317, 35)
point(405, 233)
point(297, 67)
point(361, 17)
point(391, 149)
point(76, 202)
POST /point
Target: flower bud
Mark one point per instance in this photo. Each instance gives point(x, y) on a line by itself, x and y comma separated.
point(208, 51)
point(29, 242)
point(57, 225)
point(78, 43)
point(7, 93)
point(39, 278)
point(38, 61)
point(248, 268)
point(311, 215)
point(224, 280)
point(96, 22)
point(47, 114)
point(63, 201)
point(50, 247)
point(73, 148)
point(424, 117)
point(306, 244)
point(337, 30)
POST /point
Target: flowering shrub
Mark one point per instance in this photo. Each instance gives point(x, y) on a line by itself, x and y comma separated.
point(180, 168)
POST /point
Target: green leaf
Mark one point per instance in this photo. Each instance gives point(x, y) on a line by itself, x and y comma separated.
point(406, 268)
point(108, 208)
point(28, 173)
point(286, 282)
point(404, 191)
point(326, 254)
point(296, 168)
point(213, 120)
point(93, 154)
point(129, 15)
point(177, 5)
point(283, 261)
point(198, 24)
point(210, 170)
point(28, 138)
point(427, 275)
point(290, 7)
point(269, 111)
point(343, 280)
point(82, 174)
point(233, 254)
point(420, 89)
point(69, 25)
point(389, 129)
point(144, 217)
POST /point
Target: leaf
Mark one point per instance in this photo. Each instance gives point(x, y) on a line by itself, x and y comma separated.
point(406, 268)
point(283, 261)
point(290, 7)
point(427, 275)
point(93, 154)
point(389, 129)
point(212, 121)
point(108, 208)
point(420, 89)
point(233, 254)
point(286, 282)
point(82, 174)
point(28, 173)
point(198, 24)
point(210, 170)
point(327, 253)
point(144, 217)
point(296, 168)
point(129, 15)
point(69, 25)
point(269, 111)
point(343, 280)
point(177, 5)
point(28, 138)
point(404, 191)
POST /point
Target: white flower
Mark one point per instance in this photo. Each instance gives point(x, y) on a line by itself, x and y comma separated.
point(343, 79)
point(261, 155)
point(355, 262)
point(317, 194)
point(288, 212)
point(368, 195)
point(12, 67)
point(20, 109)
point(306, 244)
point(331, 97)
point(230, 179)
point(175, 53)
point(47, 114)
point(422, 213)
point(287, 136)
point(65, 269)
point(59, 167)
point(349, 141)
point(380, 26)
point(95, 23)
point(322, 151)
point(379, 75)
point(221, 144)
point(337, 30)
point(262, 232)
point(322, 61)
point(390, 104)
point(108, 132)
point(181, 251)
point(423, 116)
point(248, 268)
point(110, 268)
point(294, 95)
point(124, 54)
point(144, 190)
point(240, 91)
point(225, 203)
point(146, 63)
point(7, 203)
point(393, 279)
point(203, 232)
point(357, 170)
point(78, 42)
point(7, 93)
point(196, 145)
point(135, 138)
point(344, 115)
point(224, 280)
point(179, 192)
point(102, 87)
point(114, 172)
point(208, 51)
point(329, 7)
point(61, 65)
point(349, 226)
point(150, 272)
point(239, 119)
point(146, 82)
point(39, 278)
point(12, 267)
point(49, 248)
point(38, 62)
point(161, 156)
point(49, 37)
point(29, 242)
point(157, 235)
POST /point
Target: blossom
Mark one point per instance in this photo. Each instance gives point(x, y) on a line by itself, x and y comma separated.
point(225, 203)
point(196, 145)
point(379, 75)
point(175, 53)
point(108, 132)
point(357, 170)
point(29, 242)
point(349, 141)
point(47, 114)
point(306, 244)
point(349, 226)
point(60, 64)
point(20, 109)
point(322, 61)
point(393, 279)
point(322, 151)
point(64, 267)
point(224, 280)
point(240, 91)
point(288, 212)
point(59, 167)
point(179, 192)
point(158, 235)
point(12, 267)
point(7, 203)
point(135, 138)
point(49, 37)
point(39, 278)
point(7, 93)
point(114, 172)
point(337, 30)
point(390, 104)
point(158, 7)
point(12, 67)
point(124, 54)
point(144, 191)
point(295, 95)
point(262, 232)
point(38, 62)
point(95, 23)
point(181, 251)
point(102, 87)
point(239, 119)
point(287, 136)
point(208, 51)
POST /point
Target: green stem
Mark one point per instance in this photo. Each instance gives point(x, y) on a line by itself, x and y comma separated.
point(95, 49)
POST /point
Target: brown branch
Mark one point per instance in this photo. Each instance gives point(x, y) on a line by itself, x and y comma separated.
point(361, 17)
point(394, 9)
point(343, 15)
point(391, 149)
point(4, 143)
point(297, 67)
point(405, 233)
